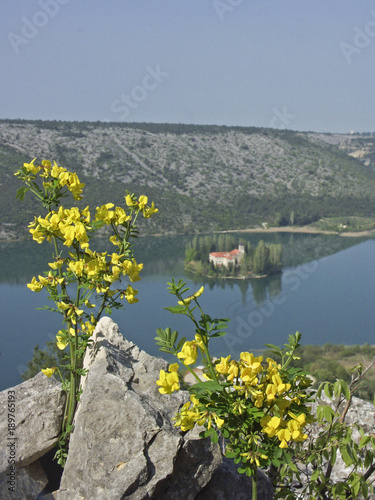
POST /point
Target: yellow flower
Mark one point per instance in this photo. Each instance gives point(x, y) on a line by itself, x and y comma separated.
point(61, 341)
point(199, 341)
point(132, 269)
point(194, 296)
point(56, 171)
point(270, 425)
point(73, 183)
point(277, 387)
point(189, 352)
point(169, 382)
point(223, 365)
point(142, 202)
point(77, 267)
point(218, 421)
point(129, 201)
point(232, 370)
point(114, 240)
point(121, 216)
point(148, 212)
point(104, 213)
point(57, 264)
point(30, 167)
point(130, 294)
point(49, 371)
point(88, 327)
point(35, 286)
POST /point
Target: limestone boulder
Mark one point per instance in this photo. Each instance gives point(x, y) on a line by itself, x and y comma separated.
point(125, 444)
point(30, 422)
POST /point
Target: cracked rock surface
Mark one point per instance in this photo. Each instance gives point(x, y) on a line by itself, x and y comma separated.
point(124, 444)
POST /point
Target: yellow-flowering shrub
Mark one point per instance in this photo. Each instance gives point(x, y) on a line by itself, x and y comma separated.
point(261, 407)
point(96, 277)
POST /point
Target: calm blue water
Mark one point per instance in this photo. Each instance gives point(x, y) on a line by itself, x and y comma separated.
point(329, 298)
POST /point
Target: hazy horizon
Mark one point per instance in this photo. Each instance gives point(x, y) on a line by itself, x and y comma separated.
point(304, 66)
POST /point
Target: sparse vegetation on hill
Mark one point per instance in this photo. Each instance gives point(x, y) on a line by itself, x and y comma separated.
point(204, 177)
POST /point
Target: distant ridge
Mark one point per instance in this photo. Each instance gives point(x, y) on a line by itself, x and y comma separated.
point(202, 177)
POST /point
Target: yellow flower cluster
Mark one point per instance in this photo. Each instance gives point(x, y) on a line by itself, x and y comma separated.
point(193, 412)
point(65, 178)
point(68, 225)
point(98, 270)
point(141, 204)
point(189, 352)
point(252, 383)
point(267, 390)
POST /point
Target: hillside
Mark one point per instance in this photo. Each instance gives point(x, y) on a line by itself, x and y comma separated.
point(201, 177)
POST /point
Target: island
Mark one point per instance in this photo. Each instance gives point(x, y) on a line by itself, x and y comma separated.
point(222, 256)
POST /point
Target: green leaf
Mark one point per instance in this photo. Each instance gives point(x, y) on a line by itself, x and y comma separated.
point(315, 475)
point(333, 455)
point(214, 437)
point(293, 467)
point(328, 390)
point(368, 459)
point(207, 433)
point(328, 413)
point(181, 343)
point(364, 440)
point(173, 337)
point(210, 386)
point(346, 455)
point(364, 490)
point(337, 389)
point(21, 193)
point(345, 389)
point(218, 334)
point(176, 309)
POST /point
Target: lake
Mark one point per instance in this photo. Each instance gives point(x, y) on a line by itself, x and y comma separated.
point(326, 291)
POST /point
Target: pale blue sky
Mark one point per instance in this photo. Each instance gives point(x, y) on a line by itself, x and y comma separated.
point(298, 64)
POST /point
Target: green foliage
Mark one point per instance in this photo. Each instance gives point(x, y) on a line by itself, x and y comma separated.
point(320, 452)
point(50, 356)
point(335, 361)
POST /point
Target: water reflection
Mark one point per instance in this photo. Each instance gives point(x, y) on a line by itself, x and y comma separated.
point(165, 255)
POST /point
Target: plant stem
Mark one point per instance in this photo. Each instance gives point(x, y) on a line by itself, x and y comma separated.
point(254, 486)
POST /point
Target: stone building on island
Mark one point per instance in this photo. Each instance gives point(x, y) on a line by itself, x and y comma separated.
point(225, 258)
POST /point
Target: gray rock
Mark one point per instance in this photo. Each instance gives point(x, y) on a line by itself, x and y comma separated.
point(124, 444)
point(28, 483)
point(38, 410)
point(227, 484)
point(37, 406)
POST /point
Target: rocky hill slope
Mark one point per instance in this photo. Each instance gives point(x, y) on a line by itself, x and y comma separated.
point(201, 177)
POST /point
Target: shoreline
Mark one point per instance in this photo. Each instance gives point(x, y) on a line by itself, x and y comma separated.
point(302, 229)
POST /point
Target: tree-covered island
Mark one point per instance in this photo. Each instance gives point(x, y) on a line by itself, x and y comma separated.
point(223, 256)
